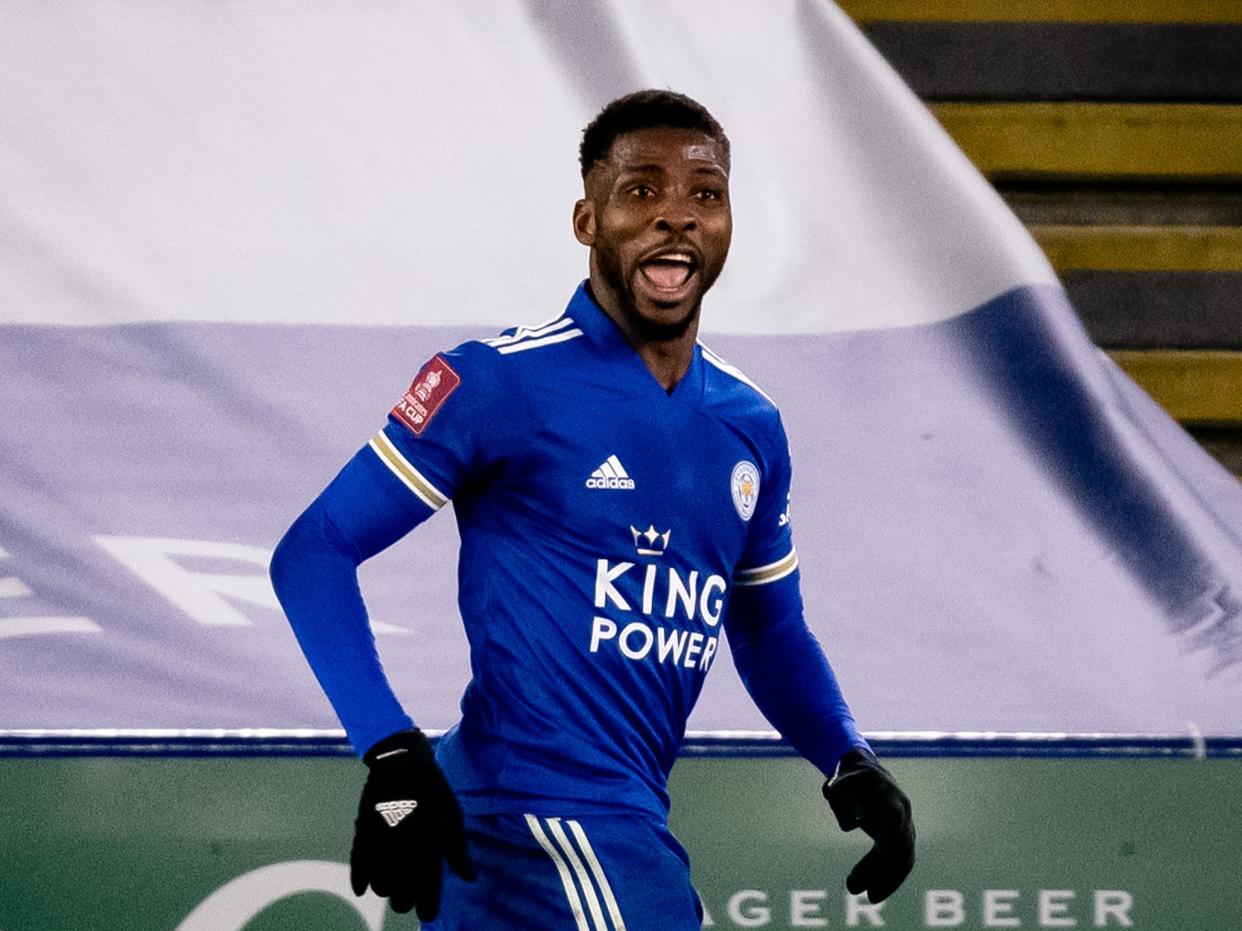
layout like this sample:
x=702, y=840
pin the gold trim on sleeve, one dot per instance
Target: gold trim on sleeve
x=762, y=575
x=409, y=476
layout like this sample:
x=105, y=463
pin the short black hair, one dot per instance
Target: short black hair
x=646, y=109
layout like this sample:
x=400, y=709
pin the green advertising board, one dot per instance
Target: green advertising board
x=226, y=842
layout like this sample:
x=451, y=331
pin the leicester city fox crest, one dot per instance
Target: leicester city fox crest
x=745, y=487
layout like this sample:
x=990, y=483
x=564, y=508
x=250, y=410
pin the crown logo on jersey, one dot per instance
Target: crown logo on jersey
x=650, y=542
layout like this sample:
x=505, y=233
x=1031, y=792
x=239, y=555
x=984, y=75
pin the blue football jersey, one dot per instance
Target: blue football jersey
x=605, y=525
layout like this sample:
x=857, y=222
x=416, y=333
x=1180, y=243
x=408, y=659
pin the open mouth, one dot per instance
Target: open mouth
x=669, y=274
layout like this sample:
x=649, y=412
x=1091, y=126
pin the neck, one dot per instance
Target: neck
x=668, y=358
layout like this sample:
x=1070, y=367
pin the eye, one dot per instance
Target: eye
x=642, y=191
x=710, y=194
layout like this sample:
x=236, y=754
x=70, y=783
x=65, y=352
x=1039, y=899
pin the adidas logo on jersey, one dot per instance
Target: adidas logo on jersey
x=610, y=474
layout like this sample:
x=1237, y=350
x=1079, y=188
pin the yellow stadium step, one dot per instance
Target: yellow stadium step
x=1195, y=387
x=1099, y=140
x=1142, y=248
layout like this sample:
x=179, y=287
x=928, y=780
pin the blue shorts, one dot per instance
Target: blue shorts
x=574, y=873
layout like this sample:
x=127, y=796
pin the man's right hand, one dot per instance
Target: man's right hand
x=409, y=823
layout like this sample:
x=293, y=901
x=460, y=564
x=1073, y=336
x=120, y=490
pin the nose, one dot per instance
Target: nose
x=679, y=221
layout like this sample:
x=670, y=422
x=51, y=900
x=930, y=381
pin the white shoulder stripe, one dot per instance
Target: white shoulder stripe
x=709, y=356
x=541, y=341
x=527, y=332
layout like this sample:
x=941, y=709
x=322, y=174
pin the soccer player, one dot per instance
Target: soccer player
x=622, y=498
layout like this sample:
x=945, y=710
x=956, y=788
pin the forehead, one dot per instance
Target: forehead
x=667, y=148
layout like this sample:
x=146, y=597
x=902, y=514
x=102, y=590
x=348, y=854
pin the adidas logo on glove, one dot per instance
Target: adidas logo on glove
x=394, y=812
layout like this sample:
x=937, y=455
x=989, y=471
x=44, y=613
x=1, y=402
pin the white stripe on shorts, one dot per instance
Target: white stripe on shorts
x=573, y=861
x=588, y=890
x=609, y=899
x=571, y=891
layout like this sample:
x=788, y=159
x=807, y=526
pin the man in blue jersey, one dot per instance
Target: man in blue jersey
x=622, y=498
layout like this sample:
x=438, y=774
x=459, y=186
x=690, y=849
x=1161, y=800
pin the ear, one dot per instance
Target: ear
x=584, y=222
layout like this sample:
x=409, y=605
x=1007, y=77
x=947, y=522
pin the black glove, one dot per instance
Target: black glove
x=862, y=794
x=408, y=822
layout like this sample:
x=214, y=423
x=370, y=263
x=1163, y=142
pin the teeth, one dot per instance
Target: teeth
x=674, y=257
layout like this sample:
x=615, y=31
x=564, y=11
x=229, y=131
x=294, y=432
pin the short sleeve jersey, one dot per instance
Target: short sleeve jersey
x=604, y=523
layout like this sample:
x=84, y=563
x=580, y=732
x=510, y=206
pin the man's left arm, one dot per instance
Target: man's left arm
x=787, y=674
x=791, y=681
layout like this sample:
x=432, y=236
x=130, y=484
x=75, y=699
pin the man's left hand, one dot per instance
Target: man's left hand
x=864, y=795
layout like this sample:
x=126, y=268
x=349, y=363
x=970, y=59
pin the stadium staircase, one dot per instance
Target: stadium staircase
x=1113, y=128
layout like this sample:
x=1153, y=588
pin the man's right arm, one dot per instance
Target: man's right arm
x=409, y=823
x=315, y=574
x=447, y=429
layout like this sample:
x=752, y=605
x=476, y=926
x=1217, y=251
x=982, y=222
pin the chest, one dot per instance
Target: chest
x=662, y=481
